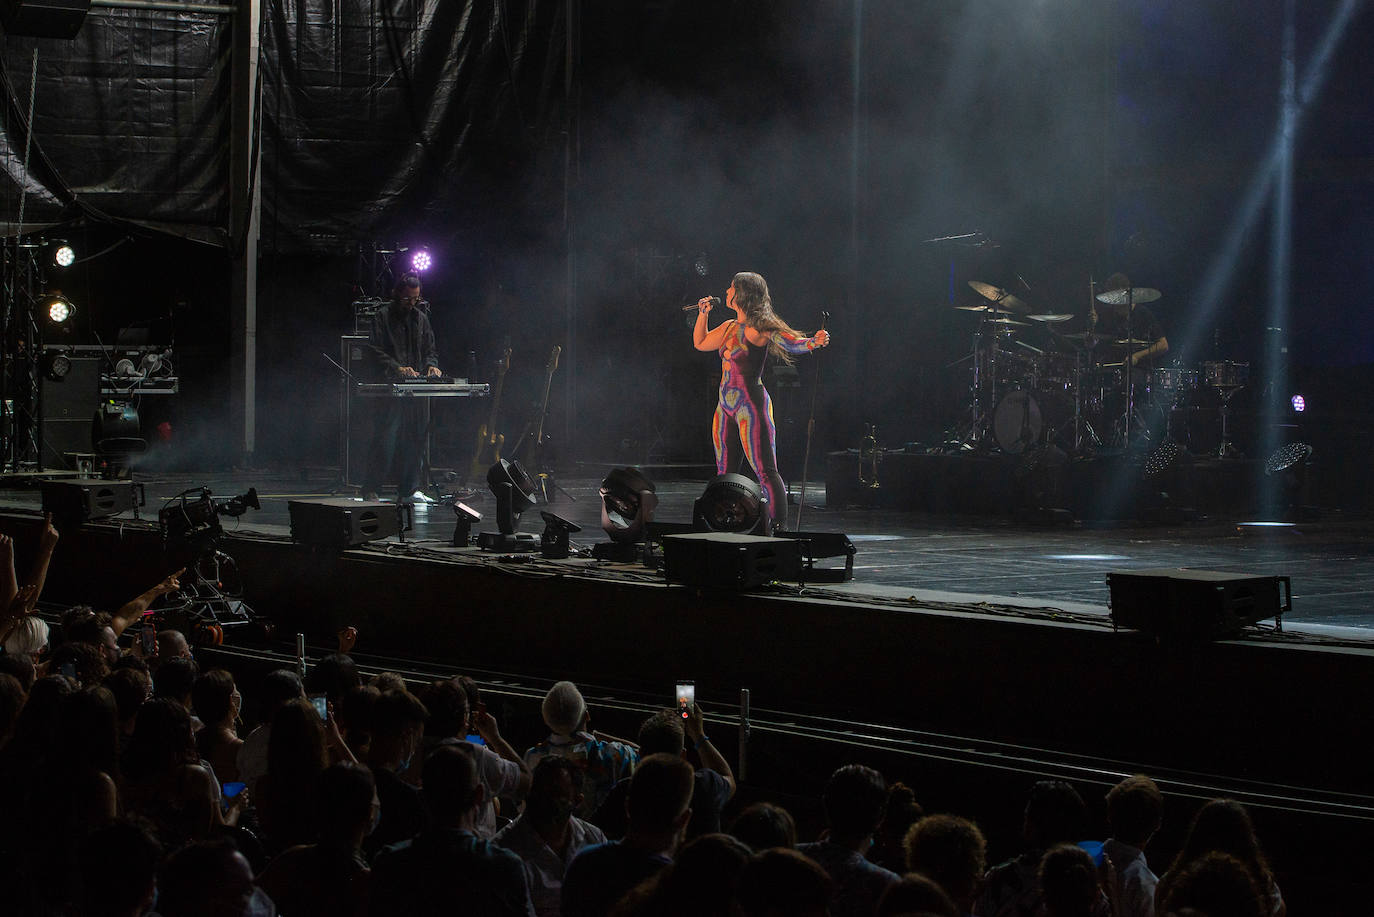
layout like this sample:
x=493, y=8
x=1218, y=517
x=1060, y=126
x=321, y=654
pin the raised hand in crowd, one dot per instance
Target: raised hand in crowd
x=9, y=584
x=334, y=740
x=133, y=610
x=694, y=726
x=487, y=728
x=47, y=544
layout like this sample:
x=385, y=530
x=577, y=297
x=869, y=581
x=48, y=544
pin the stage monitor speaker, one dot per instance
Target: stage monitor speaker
x=82, y=500
x=68, y=409
x=1178, y=604
x=819, y=545
x=341, y=522
x=729, y=561
x=44, y=18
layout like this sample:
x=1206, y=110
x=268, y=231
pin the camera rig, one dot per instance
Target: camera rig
x=211, y=595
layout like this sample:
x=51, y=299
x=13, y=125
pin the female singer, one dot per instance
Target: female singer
x=744, y=343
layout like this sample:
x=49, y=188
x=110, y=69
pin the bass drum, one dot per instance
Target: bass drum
x=1025, y=418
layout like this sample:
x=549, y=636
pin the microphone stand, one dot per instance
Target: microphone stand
x=810, y=429
x=345, y=422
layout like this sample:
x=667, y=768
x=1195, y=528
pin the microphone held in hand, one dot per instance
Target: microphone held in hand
x=715, y=301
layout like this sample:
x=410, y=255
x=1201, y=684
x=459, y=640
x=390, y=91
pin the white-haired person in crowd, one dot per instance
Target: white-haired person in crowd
x=28, y=637
x=603, y=760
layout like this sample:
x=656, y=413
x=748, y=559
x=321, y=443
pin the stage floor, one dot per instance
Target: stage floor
x=1330, y=562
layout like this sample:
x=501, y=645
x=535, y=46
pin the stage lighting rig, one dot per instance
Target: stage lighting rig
x=514, y=492
x=731, y=503
x=466, y=518
x=116, y=435
x=55, y=365
x=554, y=544
x=63, y=255
x=628, y=501
x=421, y=260
x=1287, y=457
x=57, y=308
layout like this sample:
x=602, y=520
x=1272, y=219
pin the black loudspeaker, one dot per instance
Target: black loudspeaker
x=342, y=522
x=728, y=561
x=68, y=408
x=84, y=499
x=1181, y=605
x=44, y=18
x=819, y=545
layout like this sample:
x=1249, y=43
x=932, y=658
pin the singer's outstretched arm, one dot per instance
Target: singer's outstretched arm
x=789, y=341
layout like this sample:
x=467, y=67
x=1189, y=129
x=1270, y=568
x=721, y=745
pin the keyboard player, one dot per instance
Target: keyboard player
x=402, y=344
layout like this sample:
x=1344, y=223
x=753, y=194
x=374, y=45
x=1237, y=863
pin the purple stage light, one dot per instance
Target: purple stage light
x=421, y=261
x=1299, y=403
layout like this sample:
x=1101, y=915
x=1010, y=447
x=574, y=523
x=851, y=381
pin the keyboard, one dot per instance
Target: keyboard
x=435, y=387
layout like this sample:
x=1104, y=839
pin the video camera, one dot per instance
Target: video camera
x=193, y=522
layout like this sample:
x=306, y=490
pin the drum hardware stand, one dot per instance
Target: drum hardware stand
x=978, y=434
x=1080, y=423
x=1129, y=366
x=1133, y=295
x=1227, y=449
x=974, y=433
x=1124, y=425
x=869, y=453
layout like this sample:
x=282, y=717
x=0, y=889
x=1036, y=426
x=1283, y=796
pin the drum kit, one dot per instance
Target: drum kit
x=1078, y=391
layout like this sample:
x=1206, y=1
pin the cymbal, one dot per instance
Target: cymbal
x=997, y=295
x=1008, y=321
x=1051, y=317
x=1125, y=342
x=1136, y=295
x=1078, y=336
x=984, y=308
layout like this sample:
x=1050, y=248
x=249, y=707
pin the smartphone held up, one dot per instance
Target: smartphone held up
x=686, y=697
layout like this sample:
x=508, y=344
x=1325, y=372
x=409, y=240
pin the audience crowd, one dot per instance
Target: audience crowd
x=137, y=790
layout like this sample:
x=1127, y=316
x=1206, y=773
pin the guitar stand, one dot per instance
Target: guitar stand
x=546, y=481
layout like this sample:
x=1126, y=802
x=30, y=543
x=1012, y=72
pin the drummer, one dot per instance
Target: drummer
x=1109, y=323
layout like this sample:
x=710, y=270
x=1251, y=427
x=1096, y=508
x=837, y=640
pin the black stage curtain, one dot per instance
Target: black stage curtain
x=131, y=115
x=376, y=114
x=380, y=117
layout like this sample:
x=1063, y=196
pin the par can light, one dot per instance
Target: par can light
x=58, y=308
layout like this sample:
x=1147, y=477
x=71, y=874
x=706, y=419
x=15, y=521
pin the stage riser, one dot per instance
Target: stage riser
x=1077, y=688
x=1104, y=488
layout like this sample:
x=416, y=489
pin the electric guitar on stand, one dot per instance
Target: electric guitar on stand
x=529, y=452
x=489, y=442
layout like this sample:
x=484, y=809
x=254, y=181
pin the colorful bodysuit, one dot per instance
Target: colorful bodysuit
x=745, y=403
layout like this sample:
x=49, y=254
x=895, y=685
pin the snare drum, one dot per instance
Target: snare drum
x=1225, y=374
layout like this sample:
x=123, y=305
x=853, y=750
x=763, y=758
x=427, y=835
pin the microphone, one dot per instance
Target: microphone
x=715, y=301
